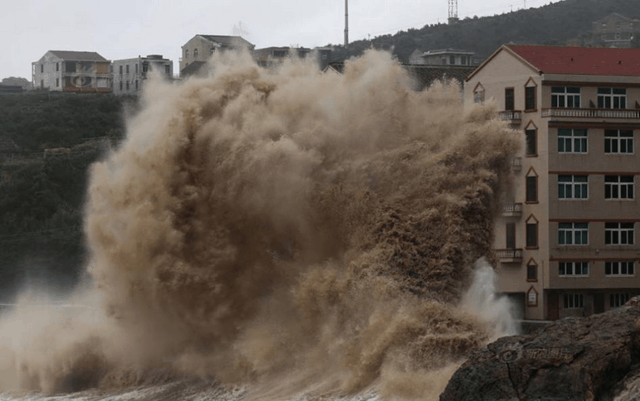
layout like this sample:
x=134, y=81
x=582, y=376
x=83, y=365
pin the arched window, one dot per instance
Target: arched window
x=532, y=270
x=195, y=53
x=186, y=53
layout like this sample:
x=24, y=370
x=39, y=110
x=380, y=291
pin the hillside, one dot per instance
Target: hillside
x=553, y=24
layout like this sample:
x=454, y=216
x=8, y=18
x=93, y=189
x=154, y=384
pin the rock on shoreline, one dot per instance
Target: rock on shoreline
x=594, y=358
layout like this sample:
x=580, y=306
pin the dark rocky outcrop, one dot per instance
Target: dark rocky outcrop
x=571, y=359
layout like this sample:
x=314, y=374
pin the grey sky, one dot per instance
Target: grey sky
x=127, y=28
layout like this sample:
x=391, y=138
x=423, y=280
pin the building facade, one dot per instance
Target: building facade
x=130, y=74
x=615, y=30
x=72, y=71
x=200, y=48
x=566, y=242
x=444, y=57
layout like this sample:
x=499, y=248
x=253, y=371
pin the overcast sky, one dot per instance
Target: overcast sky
x=128, y=28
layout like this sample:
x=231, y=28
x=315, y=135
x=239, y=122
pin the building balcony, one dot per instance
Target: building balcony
x=592, y=113
x=512, y=210
x=509, y=255
x=514, y=117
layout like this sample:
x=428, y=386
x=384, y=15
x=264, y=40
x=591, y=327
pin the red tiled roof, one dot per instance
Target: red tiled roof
x=581, y=60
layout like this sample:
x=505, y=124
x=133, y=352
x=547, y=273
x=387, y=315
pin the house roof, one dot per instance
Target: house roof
x=226, y=40
x=573, y=60
x=78, y=56
x=616, y=15
x=580, y=60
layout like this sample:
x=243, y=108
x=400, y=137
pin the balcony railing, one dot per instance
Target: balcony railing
x=592, y=113
x=512, y=210
x=509, y=255
x=513, y=116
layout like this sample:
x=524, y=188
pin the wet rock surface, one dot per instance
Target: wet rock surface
x=594, y=358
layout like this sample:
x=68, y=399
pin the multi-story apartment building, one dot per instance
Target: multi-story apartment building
x=200, y=48
x=615, y=30
x=71, y=71
x=566, y=242
x=129, y=74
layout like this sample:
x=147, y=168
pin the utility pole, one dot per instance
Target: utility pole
x=346, y=23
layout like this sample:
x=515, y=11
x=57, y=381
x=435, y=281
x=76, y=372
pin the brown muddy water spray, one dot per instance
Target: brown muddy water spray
x=286, y=231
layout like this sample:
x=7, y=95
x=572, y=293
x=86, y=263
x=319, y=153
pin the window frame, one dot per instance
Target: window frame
x=576, y=230
x=619, y=187
x=618, y=267
x=530, y=98
x=573, y=186
x=531, y=234
x=566, y=97
x=532, y=271
x=623, y=236
x=573, y=301
x=531, y=142
x=618, y=139
x=531, y=189
x=509, y=99
x=618, y=299
x=574, y=139
x=608, y=95
x=570, y=269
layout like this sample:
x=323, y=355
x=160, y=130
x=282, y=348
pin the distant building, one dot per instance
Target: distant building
x=273, y=56
x=72, y=71
x=129, y=74
x=566, y=241
x=614, y=30
x=17, y=81
x=423, y=75
x=200, y=48
x=445, y=57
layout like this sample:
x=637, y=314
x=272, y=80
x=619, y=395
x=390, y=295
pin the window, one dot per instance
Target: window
x=463, y=60
x=612, y=98
x=195, y=52
x=565, y=96
x=509, y=99
x=478, y=94
x=120, y=70
x=452, y=60
x=136, y=84
x=531, y=139
x=127, y=85
x=41, y=68
x=572, y=140
x=618, y=141
x=573, y=233
x=120, y=83
x=511, y=235
x=530, y=98
x=573, y=269
x=573, y=187
x=573, y=301
x=57, y=68
x=618, y=233
x=624, y=268
x=617, y=300
x=532, y=271
x=213, y=50
x=167, y=70
x=127, y=68
x=532, y=189
x=618, y=187
x=532, y=234
x=186, y=53
x=57, y=82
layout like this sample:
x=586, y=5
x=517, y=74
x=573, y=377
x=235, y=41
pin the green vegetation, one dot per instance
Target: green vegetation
x=560, y=23
x=42, y=191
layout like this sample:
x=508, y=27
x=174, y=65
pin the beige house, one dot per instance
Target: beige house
x=200, y=48
x=566, y=241
x=129, y=74
x=72, y=71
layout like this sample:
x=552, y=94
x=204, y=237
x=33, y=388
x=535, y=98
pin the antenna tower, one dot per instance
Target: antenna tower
x=453, y=11
x=346, y=23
